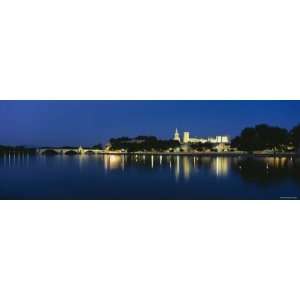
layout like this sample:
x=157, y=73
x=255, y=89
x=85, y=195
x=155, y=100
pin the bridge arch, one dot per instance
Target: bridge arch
x=70, y=151
x=48, y=152
x=79, y=150
x=89, y=152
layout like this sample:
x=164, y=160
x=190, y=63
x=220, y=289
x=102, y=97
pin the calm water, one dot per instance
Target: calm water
x=147, y=177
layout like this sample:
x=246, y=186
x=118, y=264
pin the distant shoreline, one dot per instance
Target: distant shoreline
x=229, y=154
x=203, y=154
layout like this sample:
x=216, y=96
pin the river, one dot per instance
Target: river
x=148, y=177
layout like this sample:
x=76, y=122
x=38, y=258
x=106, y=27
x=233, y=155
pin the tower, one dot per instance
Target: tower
x=176, y=136
x=186, y=137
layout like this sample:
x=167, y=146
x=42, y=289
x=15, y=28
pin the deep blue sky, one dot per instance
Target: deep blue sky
x=90, y=122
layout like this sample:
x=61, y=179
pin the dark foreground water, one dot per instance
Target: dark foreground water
x=147, y=177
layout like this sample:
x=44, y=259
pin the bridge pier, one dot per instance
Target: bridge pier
x=63, y=151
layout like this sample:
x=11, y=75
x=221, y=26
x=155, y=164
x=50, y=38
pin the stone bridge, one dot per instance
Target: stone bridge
x=79, y=150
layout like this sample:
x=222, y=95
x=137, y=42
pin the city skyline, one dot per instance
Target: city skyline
x=51, y=123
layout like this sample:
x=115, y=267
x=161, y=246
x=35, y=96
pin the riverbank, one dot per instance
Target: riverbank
x=207, y=154
x=213, y=154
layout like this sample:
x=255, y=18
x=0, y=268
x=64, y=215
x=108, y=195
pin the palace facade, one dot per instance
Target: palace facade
x=219, y=139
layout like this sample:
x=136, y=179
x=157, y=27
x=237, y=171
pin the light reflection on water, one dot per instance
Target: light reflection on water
x=12, y=160
x=181, y=166
x=220, y=166
x=142, y=176
x=185, y=166
x=112, y=162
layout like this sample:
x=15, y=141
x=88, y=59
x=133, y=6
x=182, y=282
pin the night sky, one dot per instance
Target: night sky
x=58, y=123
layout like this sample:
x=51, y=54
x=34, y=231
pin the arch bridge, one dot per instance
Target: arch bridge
x=79, y=150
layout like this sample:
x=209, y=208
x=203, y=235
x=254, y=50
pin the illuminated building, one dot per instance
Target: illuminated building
x=186, y=137
x=176, y=136
x=214, y=140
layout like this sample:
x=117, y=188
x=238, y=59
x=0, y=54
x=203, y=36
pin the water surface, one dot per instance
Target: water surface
x=147, y=177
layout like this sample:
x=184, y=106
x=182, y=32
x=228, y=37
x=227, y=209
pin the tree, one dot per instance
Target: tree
x=146, y=138
x=197, y=146
x=294, y=136
x=143, y=143
x=279, y=138
x=248, y=140
x=261, y=137
x=235, y=142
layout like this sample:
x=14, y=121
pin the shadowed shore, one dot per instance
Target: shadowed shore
x=225, y=154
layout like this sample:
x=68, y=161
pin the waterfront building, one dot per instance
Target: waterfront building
x=176, y=136
x=219, y=139
x=188, y=139
x=197, y=140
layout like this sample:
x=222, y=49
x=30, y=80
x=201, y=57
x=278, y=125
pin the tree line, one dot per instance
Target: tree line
x=142, y=143
x=263, y=136
x=16, y=149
